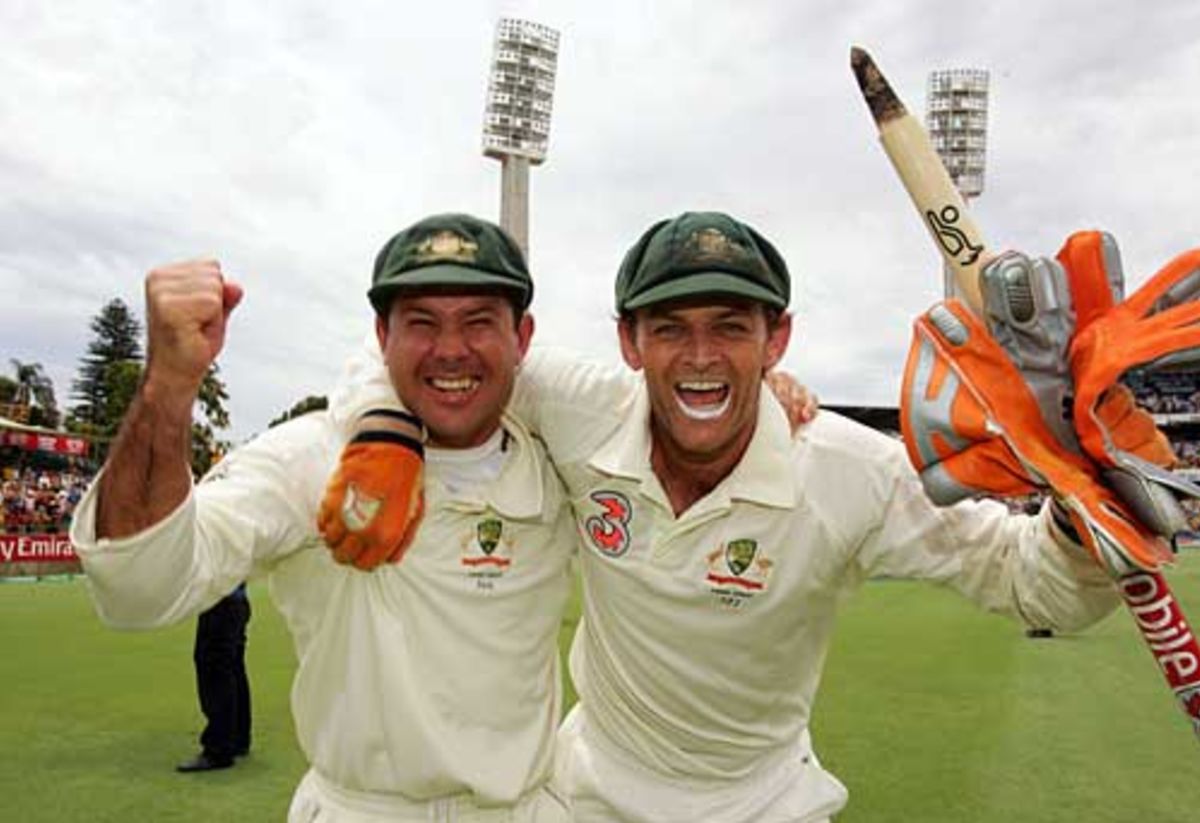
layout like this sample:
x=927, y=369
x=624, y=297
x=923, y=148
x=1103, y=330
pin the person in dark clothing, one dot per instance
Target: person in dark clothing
x=221, y=682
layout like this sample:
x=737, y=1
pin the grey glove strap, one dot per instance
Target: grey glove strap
x=1152, y=493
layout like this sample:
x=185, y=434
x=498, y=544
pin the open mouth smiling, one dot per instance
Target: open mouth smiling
x=454, y=386
x=703, y=399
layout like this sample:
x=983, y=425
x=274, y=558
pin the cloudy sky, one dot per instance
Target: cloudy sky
x=290, y=139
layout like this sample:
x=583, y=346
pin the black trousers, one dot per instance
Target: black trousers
x=220, y=658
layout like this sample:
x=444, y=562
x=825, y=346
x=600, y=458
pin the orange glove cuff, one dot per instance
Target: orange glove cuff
x=374, y=499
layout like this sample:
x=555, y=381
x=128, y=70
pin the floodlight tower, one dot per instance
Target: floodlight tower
x=516, y=121
x=956, y=118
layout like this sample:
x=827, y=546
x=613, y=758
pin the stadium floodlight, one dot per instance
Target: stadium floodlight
x=956, y=118
x=957, y=122
x=516, y=121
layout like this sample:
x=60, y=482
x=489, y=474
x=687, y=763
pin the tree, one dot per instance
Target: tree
x=121, y=380
x=309, y=404
x=34, y=387
x=207, y=448
x=109, y=376
x=117, y=339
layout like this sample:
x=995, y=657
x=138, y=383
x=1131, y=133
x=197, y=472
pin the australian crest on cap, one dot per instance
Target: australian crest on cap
x=711, y=245
x=446, y=245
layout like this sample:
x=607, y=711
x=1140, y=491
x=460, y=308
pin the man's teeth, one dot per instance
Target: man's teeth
x=710, y=411
x=454, y=383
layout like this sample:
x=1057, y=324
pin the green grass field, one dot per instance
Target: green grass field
x=930, y=711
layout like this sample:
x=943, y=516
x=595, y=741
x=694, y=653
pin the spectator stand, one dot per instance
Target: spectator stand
x=43, y=475
x=1172, y=396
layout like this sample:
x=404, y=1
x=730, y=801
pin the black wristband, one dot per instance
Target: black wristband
x=396, y=414
x=395, y=438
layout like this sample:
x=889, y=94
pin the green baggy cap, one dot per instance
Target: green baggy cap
x=450, y=250
x=699, y=254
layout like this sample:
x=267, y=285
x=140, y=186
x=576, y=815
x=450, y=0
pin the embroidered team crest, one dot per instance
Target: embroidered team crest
x=739, y=554
x=358, y=510
x=446, y=245
x=713, y=246
x=737, y=572
x=609, y=530
x=486, y=553
x=487, y=534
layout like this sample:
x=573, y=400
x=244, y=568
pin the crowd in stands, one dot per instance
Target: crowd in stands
x=1174, y=393
x=39, y=500
x=1166, y=392
x=1187, y=449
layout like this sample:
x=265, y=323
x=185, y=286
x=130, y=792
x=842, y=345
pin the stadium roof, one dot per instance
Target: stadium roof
x=882, y=418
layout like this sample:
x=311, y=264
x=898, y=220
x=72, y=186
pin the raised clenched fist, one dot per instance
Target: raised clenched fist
x=187, y=306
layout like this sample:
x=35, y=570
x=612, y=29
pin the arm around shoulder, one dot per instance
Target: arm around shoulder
x=569, y=401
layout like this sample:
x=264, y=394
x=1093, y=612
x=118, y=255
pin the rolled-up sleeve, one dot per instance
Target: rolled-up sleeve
x=1013, y=564
x=255, y=508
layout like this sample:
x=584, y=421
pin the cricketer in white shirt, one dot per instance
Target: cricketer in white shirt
x=432, y=678
x=428, y=689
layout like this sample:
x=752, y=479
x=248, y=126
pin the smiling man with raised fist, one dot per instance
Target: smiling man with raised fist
x=426, y=689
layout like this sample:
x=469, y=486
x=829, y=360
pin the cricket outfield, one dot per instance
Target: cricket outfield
x=930, y=710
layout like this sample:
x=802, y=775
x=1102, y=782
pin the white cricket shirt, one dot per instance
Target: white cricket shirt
x=436, y=676
x=704, y=635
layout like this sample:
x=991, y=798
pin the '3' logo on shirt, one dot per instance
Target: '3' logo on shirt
x=609, y=530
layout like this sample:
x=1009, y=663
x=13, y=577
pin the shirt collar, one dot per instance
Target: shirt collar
x=519, y=491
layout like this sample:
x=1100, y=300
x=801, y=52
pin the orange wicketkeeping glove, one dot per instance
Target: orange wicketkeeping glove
x=1157, y=327
x=1131, y=429
x=375, y=498
x=1021, y=403
x=974, y=425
